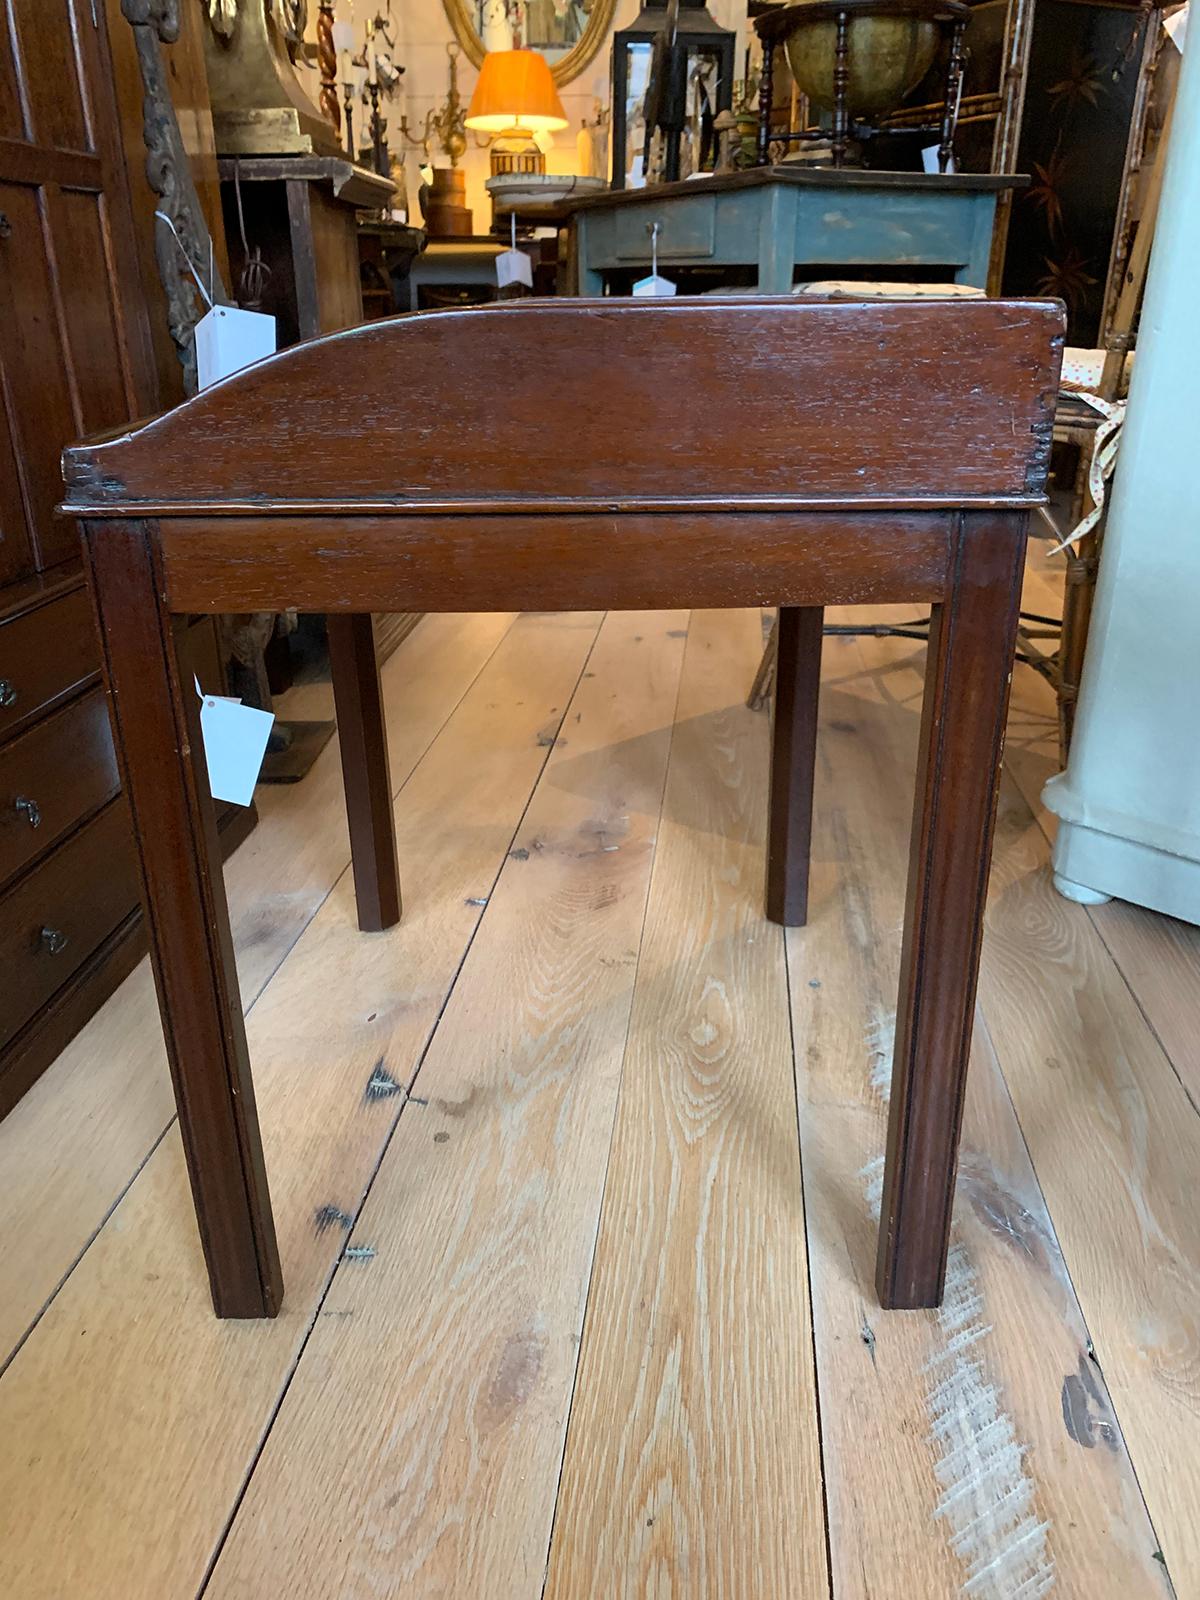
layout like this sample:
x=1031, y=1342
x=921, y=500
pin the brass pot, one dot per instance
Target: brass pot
x=888, y=56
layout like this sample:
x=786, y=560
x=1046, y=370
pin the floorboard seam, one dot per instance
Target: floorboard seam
x=812, y=1320
x=662, y=795
x=103, y=1223
x=223, y=1537
x=1142, y=1012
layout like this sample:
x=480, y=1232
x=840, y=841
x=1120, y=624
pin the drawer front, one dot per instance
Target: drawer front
x=51, y=777
x=609, y=239
x=45, y=654
x=686, y=231
x=60, y=912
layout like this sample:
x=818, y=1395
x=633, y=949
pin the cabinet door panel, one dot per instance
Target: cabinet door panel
x=16, y=556
x=35, y=368
x=95, y=337
x=49, y=40
x=12, y=120
x=73, y=341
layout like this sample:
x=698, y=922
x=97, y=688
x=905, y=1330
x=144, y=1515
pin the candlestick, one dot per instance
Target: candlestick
x=348, y=98
x=327, y=61
x=378, y=128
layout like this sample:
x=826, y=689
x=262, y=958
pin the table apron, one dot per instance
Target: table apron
x=554, y=562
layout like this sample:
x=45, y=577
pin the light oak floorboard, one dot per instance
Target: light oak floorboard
x=130, y=1419
x=131, y=1416
x=78, y=1137
x=1116, y=1144
x=435, y=1387
x=972, y=1450
x=1159, y=958
x=285, y=869
x=692, y=1467
x=1095, y=1012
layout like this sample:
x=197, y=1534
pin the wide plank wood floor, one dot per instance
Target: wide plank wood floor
x=576, y=1174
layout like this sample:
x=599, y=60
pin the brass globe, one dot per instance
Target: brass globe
x=888, y=57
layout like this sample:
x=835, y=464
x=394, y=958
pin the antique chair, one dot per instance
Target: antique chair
x=740, y=452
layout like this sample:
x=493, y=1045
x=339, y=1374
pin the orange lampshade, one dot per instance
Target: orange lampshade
x=515, y=90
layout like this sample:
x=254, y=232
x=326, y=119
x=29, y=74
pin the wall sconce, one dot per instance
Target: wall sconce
x=446, y=122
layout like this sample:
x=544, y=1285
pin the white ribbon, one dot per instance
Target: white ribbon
x=1103, y=462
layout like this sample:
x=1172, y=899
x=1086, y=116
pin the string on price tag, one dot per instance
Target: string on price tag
x=513, y=265
x=654, y=284
x=226, y=337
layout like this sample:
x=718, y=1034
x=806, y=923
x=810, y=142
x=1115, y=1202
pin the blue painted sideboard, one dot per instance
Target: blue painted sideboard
x=777, y=219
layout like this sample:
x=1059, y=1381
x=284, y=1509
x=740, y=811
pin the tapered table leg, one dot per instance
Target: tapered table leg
x=362, y=738
x=156, y=725
x=969, y=668
x=794, y=742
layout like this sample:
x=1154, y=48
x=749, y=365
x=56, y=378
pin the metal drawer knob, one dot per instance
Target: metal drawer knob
x=54, y=941
x=8, y=692
x=29, y=809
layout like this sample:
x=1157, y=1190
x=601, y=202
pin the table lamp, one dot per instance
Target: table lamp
x=515, y=99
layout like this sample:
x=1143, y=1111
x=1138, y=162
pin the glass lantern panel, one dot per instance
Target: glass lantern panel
x=635, y=121
x=698, y=147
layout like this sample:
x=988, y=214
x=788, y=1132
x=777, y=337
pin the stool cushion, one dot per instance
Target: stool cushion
x=879, y=289
x=1082, y=369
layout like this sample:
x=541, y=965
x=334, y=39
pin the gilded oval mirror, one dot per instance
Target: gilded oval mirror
x=567, y=32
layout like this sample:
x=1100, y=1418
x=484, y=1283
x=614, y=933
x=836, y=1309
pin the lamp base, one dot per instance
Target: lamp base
x=515, y=151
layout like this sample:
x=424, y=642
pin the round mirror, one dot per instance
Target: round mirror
x=567, y=32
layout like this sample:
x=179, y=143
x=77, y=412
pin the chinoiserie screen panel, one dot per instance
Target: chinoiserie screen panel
x=1084, y=109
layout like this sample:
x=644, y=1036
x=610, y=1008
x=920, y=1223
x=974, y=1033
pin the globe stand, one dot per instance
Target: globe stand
x=781, y=23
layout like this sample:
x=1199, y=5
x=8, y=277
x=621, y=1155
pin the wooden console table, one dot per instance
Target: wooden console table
x=770, y=221
x=268, y=490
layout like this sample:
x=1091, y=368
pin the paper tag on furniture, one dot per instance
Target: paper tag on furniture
x=655, y=284
x=514, y=266
x=235, y=741
x=930, y=158
x=228, y=338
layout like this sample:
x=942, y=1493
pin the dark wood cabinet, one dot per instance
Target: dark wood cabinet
x=41, y=808
x=75, y=357
x=74, y=341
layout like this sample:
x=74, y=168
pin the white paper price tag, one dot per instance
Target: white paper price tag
x=929, y=159
x=654, y=284
x=235, y=742
x=514, y=266
x=228, y=338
